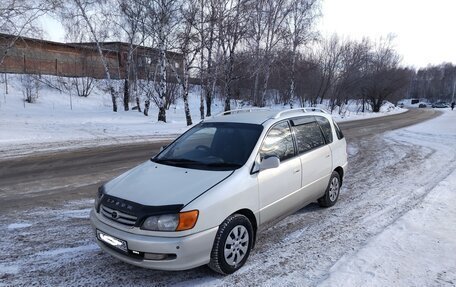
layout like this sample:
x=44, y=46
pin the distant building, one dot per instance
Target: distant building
x=33, y=56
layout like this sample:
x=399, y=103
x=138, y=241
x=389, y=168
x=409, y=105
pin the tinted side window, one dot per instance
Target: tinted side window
x=308, y=136
x=326, y=128
x=278, y=142
x=339, y=133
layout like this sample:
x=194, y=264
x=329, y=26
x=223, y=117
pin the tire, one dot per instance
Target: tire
x=332, y=191
x=232, y=244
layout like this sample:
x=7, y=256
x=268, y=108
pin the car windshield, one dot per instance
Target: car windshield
x=212, y=146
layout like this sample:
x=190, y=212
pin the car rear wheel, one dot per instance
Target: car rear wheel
x=332, y=191
x=232, y=244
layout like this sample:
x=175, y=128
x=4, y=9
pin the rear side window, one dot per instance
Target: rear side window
x=308, y=136
x=339, y=133
x=278, y=142
x=326, y=128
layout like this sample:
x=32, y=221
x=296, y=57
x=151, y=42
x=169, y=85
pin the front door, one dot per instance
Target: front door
x=278, y=185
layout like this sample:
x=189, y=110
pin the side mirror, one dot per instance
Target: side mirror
x=270, y=162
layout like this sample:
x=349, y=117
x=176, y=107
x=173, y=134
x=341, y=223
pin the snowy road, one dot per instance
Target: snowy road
x=54, y=177
x=392, y=188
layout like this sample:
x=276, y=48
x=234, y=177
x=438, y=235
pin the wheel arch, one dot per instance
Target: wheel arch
x=340, y=171
x=252, y=218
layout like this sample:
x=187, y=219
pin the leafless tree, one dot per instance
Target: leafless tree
x=187, y=44
x=256, y=34
x=160, y=26
x=18, y=18
x=329, y=59
x=267, y=32
x=131, y=22
x=209, y=52
x=31, y=88
x=384, y=79
x=275, y=30
x=231, y=28
x=89, y=14
x=83, y=85
x=351, y=72
x=434, y=83
x=300, y=22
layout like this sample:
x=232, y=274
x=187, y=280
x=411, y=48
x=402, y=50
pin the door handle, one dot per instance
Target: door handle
x=296, y=171
x=328, y=156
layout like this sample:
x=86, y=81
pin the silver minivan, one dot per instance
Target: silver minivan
x=202, y=199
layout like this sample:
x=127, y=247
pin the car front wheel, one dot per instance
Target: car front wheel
x=232, y=244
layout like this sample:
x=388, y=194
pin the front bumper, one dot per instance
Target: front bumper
x=191, y=251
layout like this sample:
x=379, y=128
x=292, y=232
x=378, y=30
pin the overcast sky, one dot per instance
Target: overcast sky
x=425, y=30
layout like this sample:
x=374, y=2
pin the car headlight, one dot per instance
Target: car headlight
x=99, y=197
x=171, y=222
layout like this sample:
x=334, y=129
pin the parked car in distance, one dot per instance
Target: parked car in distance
x=440, y=105
x=204, y=197
x=421, y=105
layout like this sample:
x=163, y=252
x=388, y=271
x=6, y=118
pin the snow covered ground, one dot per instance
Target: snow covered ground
x=60, y=121
x=394, y=225
x=419, y=248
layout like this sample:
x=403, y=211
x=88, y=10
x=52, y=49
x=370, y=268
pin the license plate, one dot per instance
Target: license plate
x=112, y=241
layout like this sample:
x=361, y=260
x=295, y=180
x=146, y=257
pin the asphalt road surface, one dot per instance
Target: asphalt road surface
x=51, y=178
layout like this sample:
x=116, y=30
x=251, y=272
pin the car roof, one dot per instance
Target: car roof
x=260, y=116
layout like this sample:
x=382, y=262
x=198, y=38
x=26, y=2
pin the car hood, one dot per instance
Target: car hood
x=156, y=184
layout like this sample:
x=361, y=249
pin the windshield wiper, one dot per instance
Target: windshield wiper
x=176, y=161
x=183, y=162
x=224, y=164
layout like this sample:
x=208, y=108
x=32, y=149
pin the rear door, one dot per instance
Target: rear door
x=278, y=186
x=315, y=156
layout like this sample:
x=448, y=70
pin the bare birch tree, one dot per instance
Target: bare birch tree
x=276, y=14
x=187, y=37
x=266, y=33
x=231, y=28
x=209, y=51
x=256, y=34
x=300, y=21
x=131, y=23
x=85, y=12
x=161, y=26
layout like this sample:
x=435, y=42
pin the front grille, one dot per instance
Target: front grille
x=118, y=216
